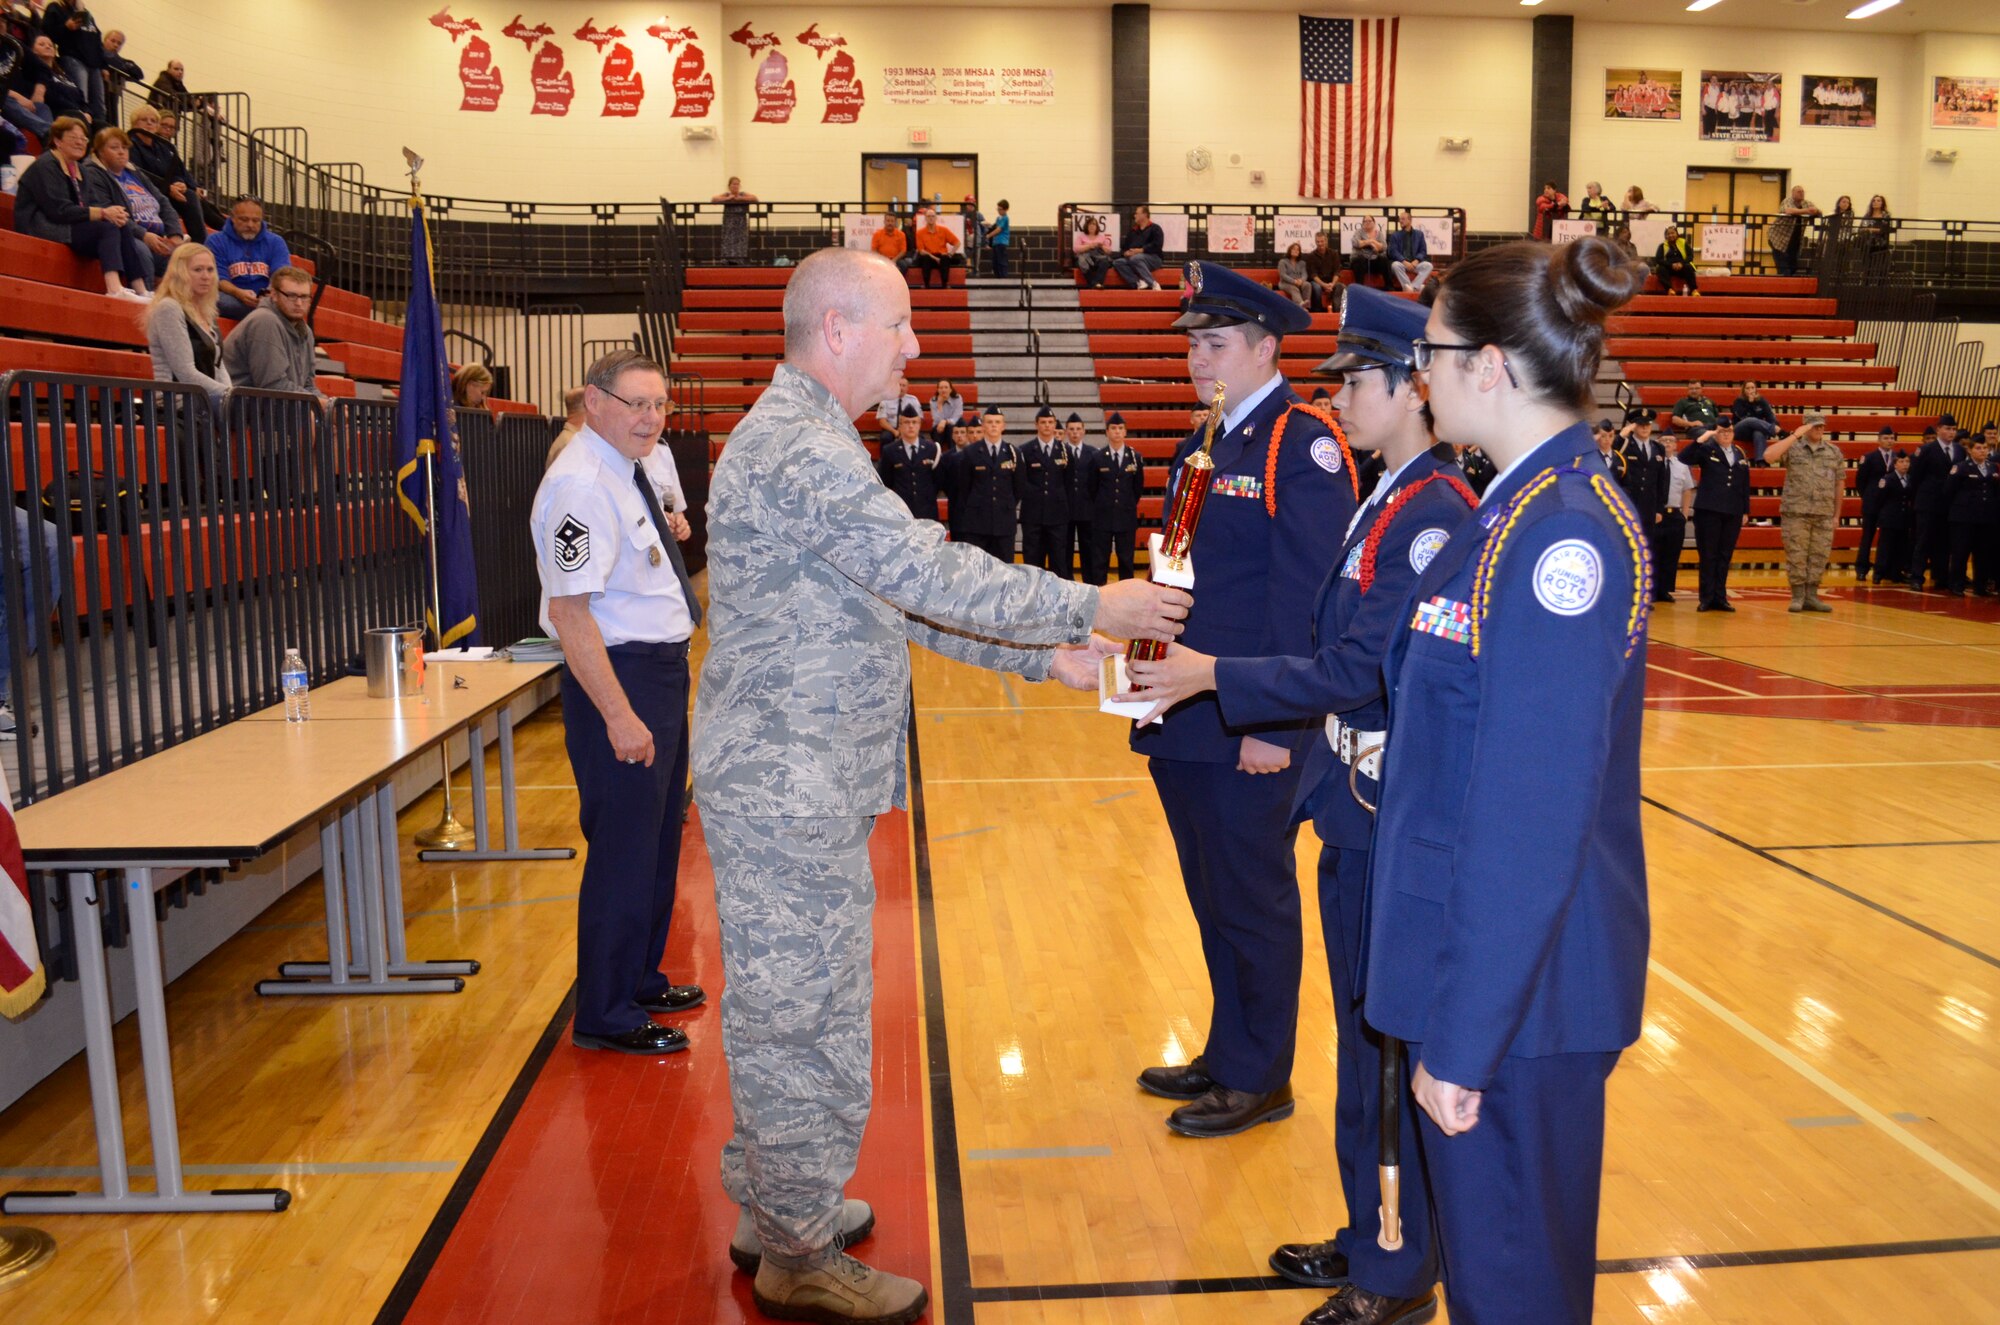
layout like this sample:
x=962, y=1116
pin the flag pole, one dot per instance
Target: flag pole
x=448, y=834
x=23, y=1251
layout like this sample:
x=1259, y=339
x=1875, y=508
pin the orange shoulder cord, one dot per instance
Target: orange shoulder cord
x=1278, y=435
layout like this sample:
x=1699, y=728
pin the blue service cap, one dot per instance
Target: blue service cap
x=909, y=412
x=1376, y=329
x=991, y=412
x=1074, y=417
x=1947, y=421
x=1045, y=413
x=1114, y=417
x=1215, y=296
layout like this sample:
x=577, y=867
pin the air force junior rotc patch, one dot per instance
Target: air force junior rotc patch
x=572, y=544
x=1568, y=577
x=1326, y=454
x=1425, y=546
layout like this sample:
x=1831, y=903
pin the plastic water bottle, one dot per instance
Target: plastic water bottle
x=293, y=678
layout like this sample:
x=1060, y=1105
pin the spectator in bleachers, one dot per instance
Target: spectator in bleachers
x=1896, y=514
x=735, y=221
x=573, y=421
x=1751, y=408
x=1409, y=253
x=891, y=408
x=54, y=204
x=1673, y=263
x=117, y=72
x=1877, y=224
x=109, y=177
x=1621, y=240
x=1323, y=265
x=154, y=154
x=1596, y=207
x=1198, y=418
x=1371, y=254
x=1636, y=204
x=1694, y=410
x=181, y=326
x=1789, y=231
x=246, y=253
x=1145, y=251
x=1975, y=522
x=974, y=222
x=471, y=384
x=1868, y=476
x=41, y=92
x=999, y=238
x=947, y=411
x=272, y=348
x=1721, y=500
x=892, y=243
x=69, y=25
x=1092, y=248
x=36, y=607
x=1815, y=478
x=1670, y=534
x=937, y=250
x=1550, y=206
x=13, y=143
x=1294, y=281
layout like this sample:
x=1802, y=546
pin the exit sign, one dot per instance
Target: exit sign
x=920, y=137
x=1746, y=151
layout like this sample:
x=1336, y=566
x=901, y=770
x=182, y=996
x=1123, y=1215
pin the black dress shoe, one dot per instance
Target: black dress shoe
x=1225, y=1112
x=1314, y=1264
x=1177, y=1083
x=1725, y=607
x=1704, y=607
x=645, y=1040
x=1357, y=1306
x=677, y=998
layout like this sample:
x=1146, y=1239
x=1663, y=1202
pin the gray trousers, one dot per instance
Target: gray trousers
x=796, y=901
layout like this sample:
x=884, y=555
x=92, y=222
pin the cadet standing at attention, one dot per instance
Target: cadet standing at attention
x=819, y=581
x=1117, y=476
x=1281, y=493
x=616, y=593
x=1077, y=553
x=1507, y=907
x=909, y=465
x=1417, y=507
x=1045, y=493
x=986, y=487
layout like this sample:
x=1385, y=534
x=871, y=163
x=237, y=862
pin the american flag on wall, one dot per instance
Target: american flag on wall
x=21, y=978
x=1347, y=107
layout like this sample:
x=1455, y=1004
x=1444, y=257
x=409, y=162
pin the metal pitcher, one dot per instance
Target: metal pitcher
x=395, y=658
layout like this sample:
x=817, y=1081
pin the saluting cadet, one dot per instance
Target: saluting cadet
x=1116, y=478
x=615, y=592
x=821, y=581
x=909, y=465
x=986, y=488
x=1045, y=492
x=1507, y=908
x=1721, y=500
x=1419, y=505
x=1077, y=553
x=1280, y=496
x=1644, y=474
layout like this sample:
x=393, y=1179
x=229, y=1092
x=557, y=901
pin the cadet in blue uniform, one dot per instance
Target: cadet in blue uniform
x=1419, y=504
x=1507, y=906
x=1974, y=514
x=1116, y=477
x=909, y=464
x=1721, y=500
x=615, y=592
x=1280, y=496
x=1077, y=553
x=1045, y=490
x=985, y=489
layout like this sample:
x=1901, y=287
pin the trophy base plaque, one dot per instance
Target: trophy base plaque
x=1114, y=686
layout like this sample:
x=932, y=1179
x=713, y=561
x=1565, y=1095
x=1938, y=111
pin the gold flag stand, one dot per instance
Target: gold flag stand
x=23, y=1252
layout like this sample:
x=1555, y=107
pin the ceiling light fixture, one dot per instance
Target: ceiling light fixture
x=1700, y=5
x=1531, y=3
x=1872, y=8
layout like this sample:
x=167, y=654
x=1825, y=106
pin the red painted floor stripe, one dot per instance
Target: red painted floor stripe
x=604, y=1202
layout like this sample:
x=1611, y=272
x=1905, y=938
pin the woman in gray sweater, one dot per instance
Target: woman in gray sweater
x=1292, y=277
x=181, y=325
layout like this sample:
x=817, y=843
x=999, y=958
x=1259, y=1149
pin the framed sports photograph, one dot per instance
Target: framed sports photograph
x=1740, y=107
x=1836, y=101
x=1964, y=103
x=1642, y=94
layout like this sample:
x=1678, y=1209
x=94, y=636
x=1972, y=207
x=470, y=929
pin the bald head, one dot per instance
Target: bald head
x=847, y=324
x=833, y=280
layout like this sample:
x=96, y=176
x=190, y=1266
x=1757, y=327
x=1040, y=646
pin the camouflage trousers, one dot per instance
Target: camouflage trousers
x=796, y=901
x=1808, y=544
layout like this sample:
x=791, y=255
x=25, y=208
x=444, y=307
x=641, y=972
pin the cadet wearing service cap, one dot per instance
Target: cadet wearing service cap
x=1045, y=494
x=1417, y=508
x=909, y=465
x=1116, y=477
x=984, y=488
x=1281, y=493
x=1077, y=553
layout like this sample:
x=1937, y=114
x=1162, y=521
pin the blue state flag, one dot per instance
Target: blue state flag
x=424, y=429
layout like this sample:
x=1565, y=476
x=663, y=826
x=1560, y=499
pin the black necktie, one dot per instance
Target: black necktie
x=667, y=536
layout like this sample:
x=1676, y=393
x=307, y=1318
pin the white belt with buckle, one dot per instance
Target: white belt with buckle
x=1350, y=743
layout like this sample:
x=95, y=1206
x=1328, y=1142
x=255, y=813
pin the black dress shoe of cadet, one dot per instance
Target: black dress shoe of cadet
x=1177, y=1083
x=1357, y=1306
x=1225, y=1112
x=1314, y=1264
x=648, y=1039
x=677, y=998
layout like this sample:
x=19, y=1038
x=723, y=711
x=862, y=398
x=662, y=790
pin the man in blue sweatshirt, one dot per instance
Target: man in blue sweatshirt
x=246, y=253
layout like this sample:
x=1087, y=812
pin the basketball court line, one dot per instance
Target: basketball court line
x=1872, y=846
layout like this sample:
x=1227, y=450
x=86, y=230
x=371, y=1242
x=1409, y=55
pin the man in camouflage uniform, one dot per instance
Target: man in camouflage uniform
x=818, y=578
x=1815, y=477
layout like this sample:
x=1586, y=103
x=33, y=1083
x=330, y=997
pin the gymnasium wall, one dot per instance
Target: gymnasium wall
x=367, y=76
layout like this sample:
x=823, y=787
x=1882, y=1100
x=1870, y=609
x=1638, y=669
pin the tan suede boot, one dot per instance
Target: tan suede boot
x=857, y=1221
x=837, y=1291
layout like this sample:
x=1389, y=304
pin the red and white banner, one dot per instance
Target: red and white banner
x=844, y=93
x=479, y=76
x=694, y=86
x=554, y=88
x=776, y=93
x=21, y=977
x=624, y=85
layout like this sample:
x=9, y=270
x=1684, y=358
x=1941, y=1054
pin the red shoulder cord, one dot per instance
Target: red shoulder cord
x=1373, y=543
x=1278, y=434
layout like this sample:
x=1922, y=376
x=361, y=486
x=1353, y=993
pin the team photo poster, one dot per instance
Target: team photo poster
x=1642, y=94
x=1739, y=107
x=1831, y=101
x=1964, y=103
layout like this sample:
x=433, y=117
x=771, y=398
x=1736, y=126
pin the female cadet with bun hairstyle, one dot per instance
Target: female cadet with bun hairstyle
x=1508, y=936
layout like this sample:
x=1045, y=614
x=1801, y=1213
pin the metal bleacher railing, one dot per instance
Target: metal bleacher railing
x=169, y=555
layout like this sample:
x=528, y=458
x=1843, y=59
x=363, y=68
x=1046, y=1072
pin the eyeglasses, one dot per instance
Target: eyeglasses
x=660, y=407
x=293, y=294
x=1424, y=352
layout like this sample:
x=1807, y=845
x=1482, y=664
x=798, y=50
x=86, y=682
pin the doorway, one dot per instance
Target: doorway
x=902, y=179
x=1719, y=193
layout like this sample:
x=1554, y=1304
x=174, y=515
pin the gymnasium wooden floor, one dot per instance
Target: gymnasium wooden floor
x=1805, y=1132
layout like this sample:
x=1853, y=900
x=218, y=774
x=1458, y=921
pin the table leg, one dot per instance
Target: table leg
x=509, y=811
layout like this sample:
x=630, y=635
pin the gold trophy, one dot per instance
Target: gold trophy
x=1170, y=562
